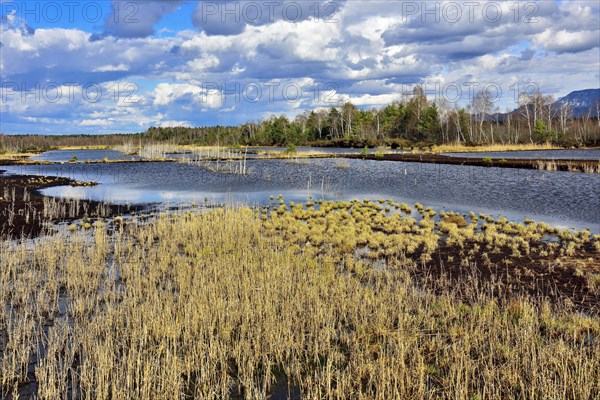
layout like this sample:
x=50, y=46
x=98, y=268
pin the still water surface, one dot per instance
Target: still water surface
x=82, y=155
x=563, y=199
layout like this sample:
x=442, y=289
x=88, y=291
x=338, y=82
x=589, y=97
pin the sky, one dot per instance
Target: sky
x=120, y=66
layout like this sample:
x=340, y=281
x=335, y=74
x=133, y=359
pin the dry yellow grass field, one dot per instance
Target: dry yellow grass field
x=243, y=303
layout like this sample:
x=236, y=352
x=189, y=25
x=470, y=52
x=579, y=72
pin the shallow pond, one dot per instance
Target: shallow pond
x=82, y=155
x=563, y=199
x=584, y=154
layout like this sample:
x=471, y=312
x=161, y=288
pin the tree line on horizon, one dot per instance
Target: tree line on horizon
x=413, y=122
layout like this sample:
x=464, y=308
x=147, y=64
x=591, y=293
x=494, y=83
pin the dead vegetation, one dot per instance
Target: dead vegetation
x=315, y=300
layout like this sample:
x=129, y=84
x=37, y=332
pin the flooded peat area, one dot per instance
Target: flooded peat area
x=188, y=299
x=563, y=199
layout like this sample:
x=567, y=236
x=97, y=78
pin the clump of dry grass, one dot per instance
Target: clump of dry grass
x=235, y=302
x=591, y=168
x=547, y=165
x=342, y=164
x=553, y=165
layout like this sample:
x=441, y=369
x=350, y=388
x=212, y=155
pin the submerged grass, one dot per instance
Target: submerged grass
x=238, y=302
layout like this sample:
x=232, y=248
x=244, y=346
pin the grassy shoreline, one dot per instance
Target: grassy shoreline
x=447, y=148
x=460, y=148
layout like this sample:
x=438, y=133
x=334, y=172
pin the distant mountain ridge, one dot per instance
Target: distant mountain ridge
x=581, y=101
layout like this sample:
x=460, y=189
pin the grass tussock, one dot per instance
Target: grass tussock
x=241, y=302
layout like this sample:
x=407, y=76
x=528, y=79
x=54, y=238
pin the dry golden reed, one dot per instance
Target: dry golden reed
x=235, y=302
